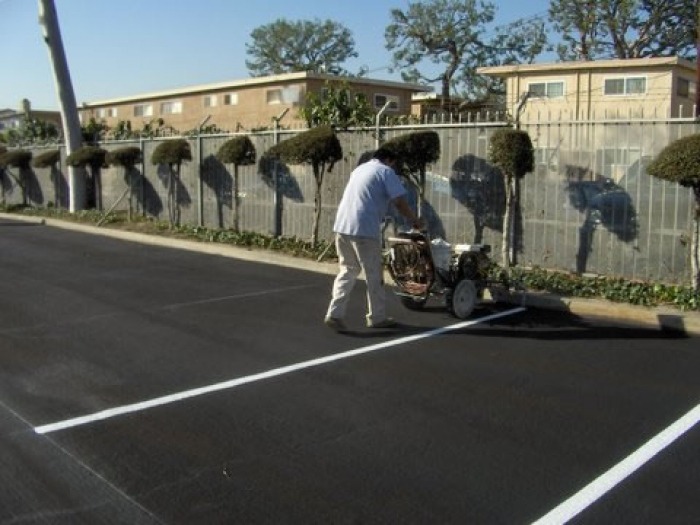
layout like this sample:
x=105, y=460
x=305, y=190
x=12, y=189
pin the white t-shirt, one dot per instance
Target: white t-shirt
x=365, y=202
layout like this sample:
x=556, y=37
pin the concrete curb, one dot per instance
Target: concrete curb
x=664, y=318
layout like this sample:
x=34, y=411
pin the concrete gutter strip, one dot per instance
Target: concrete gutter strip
x=664, y=318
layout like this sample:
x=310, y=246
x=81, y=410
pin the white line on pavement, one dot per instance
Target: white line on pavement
x=597, y=488
x=275, y=372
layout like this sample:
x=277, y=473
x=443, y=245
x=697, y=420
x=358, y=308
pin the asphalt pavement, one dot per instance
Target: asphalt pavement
x=189, y=383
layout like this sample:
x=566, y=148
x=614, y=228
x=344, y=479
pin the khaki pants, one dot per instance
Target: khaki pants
x=356, y=254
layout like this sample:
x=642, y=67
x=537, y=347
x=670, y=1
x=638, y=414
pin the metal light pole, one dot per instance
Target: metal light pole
x=69, y=109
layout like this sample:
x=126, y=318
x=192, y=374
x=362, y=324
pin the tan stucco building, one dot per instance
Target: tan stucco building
x=602, y=89
x=248, y=104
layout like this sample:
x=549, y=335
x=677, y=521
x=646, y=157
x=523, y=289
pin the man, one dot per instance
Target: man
x=371, y=188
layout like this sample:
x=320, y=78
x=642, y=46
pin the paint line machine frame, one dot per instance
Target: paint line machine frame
x=421, y=268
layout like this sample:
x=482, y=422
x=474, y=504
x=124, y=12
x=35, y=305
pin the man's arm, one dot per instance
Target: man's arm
x=405, y=209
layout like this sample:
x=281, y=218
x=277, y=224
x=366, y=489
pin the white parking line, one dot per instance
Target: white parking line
x=597, y=488
x=275, y=372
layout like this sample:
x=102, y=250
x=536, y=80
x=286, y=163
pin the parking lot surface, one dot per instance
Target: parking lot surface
x=145, y=384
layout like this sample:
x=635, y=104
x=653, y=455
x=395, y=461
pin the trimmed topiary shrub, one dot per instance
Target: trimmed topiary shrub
x=415, y=151
x=318, y=147
x=92, y=156
x=238, y=151
x=680, y=162
x=511, y=151
x=173, y=153
x=48, y=159
x=127, y=157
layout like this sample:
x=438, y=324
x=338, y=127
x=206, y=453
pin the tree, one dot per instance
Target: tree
x=318, y=147
x=511, y=151
x=680, y=162
x=307, y=45
x=238, y=151
x=127, y=158
x=337, y=106
x=414, y=152
x=452, y=34
x=624, y=28
x=172, y=153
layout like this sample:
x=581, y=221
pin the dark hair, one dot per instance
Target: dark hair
x=384, y=153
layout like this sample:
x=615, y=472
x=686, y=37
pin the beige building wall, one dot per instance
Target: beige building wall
x=242, y=105
x=603, y=89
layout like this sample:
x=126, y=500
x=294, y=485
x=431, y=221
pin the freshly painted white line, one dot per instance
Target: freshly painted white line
x=597, y=488
x=275, y=372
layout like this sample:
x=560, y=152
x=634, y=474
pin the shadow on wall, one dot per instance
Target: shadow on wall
x=216, y=176
x=60, y=188
x=178, y=196
x=479, y=187
x=148, y=197
x=26, y=181
x=603, y=203
x=287, y=185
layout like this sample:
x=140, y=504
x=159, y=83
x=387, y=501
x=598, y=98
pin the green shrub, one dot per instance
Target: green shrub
x=126, y=157
x=48, y=159
x=18, y=158
x=239, y=151
x=172, y=152
x=511, y=151
x=316, y=146
x=679, y=162
x=92, y=156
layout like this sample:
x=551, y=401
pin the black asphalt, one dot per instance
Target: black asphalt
x=496, y=422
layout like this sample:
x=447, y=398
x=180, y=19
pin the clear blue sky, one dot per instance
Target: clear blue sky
x=126, y=47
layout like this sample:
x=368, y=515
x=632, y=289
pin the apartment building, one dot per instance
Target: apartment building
x=247, y=104
x=662, y=87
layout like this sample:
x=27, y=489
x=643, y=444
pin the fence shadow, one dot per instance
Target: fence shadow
x=287, y=185
x=479, y=187
x=220, y=181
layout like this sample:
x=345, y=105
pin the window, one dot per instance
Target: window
x=685, y=88
x=625, y=86
x=288, y=95
x=143, y=110
x=274, y=96
x=546, y=89
x=106, y=112
x=209, y=101
x=380, y=100
x=171, y=107
x=230, y=99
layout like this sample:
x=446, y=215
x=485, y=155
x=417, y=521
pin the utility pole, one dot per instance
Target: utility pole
x=48, y=20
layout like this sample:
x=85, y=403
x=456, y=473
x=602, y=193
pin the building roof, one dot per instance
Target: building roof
x=504, y=71
x=255, y=81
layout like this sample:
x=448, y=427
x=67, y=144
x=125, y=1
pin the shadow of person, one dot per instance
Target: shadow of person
x=604, y=204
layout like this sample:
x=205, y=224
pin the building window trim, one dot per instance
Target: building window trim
x=551, y=89
x=626, y=88
x=143, y=110
x=171, y=107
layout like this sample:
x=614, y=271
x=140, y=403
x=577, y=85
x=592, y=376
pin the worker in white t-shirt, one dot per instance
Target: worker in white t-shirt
x=372, y=187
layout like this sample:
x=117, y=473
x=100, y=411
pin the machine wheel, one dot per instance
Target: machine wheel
x=413, y=303
x=462, y=299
